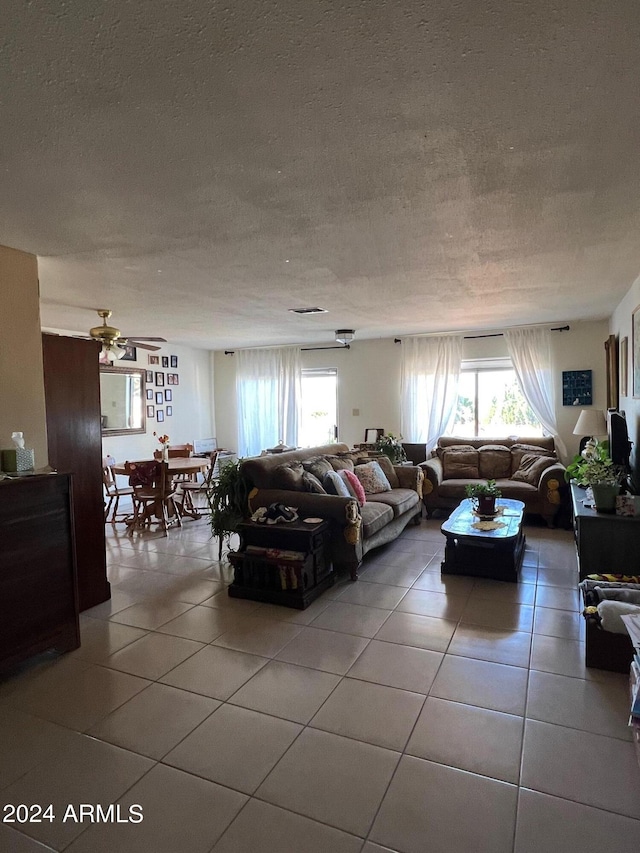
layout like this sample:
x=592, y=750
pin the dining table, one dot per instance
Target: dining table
x=177, y=465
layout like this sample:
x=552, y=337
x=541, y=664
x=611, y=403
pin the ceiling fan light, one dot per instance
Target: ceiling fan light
x=344, y=336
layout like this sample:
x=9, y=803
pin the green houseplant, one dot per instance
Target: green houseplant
x=594, y=467
x=483, y=496
x=228, y=499
x=391, y=446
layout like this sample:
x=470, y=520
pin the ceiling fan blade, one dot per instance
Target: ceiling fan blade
x=143, y=338
x=132, y=343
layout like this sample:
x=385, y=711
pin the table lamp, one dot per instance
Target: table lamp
x=590, y=424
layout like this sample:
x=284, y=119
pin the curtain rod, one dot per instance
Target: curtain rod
x=491, y=334
x=302, y=349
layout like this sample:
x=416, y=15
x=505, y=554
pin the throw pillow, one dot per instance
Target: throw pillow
x=531, y=467
x=495, y=461
x=372, y=478
x=288, y=477
x=338, y=463
x=353, y=483
x=518, y=451
x=460, y=464
x=389, y=471
x=317, y=465
x=335, y=485
x=445, y=444
x=313, y=484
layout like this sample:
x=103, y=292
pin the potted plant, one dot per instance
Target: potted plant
x=483, y=496
x=391, y=446
x=228, y=498
x=594, y=467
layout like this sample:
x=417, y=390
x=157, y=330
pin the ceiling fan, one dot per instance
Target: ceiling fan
x=114, y=343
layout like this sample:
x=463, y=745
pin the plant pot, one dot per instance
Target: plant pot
x=486, y=504
x=604, y=496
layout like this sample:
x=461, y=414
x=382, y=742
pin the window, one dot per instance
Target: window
x=490, y=402
x=319, y=416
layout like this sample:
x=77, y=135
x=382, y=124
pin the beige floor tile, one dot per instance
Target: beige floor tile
x=424, y=801
x=235, y=747
x=155, y=720
x=470, y=738
x=291, y=614
x=555, y=597
x=548, y=824
x=77, y=700
x=405, y=667
x=13, y=841
x=507, y=615
x=100, y=638
x=258, y=635
x=224, y=601
x=269, y=829
x=215, y=672
x=425, y=632
x=287, y=691
x=355, y=619
x=563, y=578
x=325, y=650
x=153, y=655
x=414, y=556
x=150, y=616
x=561, y=761
x=499, y=646
x=555, y=654
x=369, y=712
x=304, y=780
x=490, y=590
x=392, y=575
x=601, y=707
x=433, y=580
x=370, y=847
x=430, y=603
x=196, y=590
x=495, y=686
x=118, y=574
x=558, y=623
x=181, y=813
x=203, y=624
x=119, y=601
x=88, y=771
x=372, y=594
x=26, y=741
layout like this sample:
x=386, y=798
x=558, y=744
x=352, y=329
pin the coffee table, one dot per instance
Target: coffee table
x=495, y=554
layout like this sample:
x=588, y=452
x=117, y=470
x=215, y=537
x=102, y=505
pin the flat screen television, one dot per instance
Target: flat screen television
x=619, y=444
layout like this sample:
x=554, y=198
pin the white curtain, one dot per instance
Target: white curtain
x=268, y=389
x=530, y=351
x=430, y=373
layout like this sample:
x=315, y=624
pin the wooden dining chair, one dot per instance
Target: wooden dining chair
x=191, y=490
x=112, y=494
x=154, y=495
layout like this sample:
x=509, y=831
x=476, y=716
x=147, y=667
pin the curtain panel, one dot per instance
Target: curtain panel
x=430, y=373
x=268, y=384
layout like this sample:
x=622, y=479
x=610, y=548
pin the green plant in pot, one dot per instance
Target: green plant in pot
x=391, y=446
x=594, y=467
x=483, y=496
x=228, y=499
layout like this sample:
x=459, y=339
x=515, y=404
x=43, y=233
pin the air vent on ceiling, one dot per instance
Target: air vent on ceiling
x=308, y=310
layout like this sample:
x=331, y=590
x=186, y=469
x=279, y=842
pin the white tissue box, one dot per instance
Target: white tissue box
x=18, y=459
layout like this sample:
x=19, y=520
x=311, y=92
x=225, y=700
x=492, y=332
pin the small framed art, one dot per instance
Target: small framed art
x=372, y=435
x=624, y=366
x=154, y=359
x=160, y=415
x=150, y=411
x=159, y=398
x=576, y=387
x=149, y=376
x=130, y=353
x=169, y=378
x=635, y=352
x=176, y=379
x=165, y=361
x=169, y=410
x=168, y=395
x=160, y=378
x=150, y=394
x=174, y=361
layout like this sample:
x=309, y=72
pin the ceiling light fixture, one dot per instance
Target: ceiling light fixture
x=307, y=310
x=344, y=336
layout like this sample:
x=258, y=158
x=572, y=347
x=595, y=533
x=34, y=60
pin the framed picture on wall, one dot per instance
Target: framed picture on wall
x=130, y=353
x=174, y=361
x=168, y=395
x=372, y=435
x=169, y=378
x=165, y=361
x=611, y=350
x=159, y=398
x=149, y=376
x=159, y=415
x=624, y=366
x=154, y=359
x=160, y=378
x=150, y=411
x=635, y=352
x=150, y=394
x=169, y=411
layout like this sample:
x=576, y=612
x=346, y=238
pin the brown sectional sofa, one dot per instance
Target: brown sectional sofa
x=354, y=530
x=451, y=468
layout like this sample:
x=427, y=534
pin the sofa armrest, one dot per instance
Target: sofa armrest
x=433, y=471
x=550, y=491
x=409, y=477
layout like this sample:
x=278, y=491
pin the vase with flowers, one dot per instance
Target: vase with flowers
x=163, y=453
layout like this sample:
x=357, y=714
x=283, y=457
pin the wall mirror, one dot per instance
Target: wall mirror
x=122, y=400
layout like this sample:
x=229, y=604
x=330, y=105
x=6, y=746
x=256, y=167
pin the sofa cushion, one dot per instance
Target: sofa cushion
x=339, y=463
x=531, y=467
x=317, y=465
x=458, y=463
x=389, y=471
x=495, y=461
x=375, y=516
x=335, y=485
x=372, y=478
x=313, y=484
x=354, y=485
x=289, y=477
x=400, y=500
x=446, y=443
x=518, y=451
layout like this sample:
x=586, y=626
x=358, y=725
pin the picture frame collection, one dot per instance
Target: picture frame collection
x=156, y=378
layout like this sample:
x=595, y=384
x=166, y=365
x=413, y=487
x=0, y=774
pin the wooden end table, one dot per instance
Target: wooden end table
x=495, y=554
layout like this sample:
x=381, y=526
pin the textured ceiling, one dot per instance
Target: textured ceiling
x=200, y=167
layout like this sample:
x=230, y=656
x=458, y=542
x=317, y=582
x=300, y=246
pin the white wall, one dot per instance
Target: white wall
x=369, y=380
x=21, y=374
x=192, y=404
x=620, y=326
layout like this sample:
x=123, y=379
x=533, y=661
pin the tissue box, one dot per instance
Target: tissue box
x=628, y=505
x=17, y=459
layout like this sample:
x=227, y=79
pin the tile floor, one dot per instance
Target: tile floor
x=406, y=712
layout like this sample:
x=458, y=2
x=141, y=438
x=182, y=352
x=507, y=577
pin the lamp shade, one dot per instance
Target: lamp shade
x=591, y=422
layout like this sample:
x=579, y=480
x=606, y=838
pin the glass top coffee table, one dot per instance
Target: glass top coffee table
x=495, y=553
